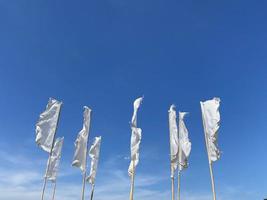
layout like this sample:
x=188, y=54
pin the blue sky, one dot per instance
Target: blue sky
x=106, y=53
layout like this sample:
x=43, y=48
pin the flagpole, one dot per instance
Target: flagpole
x=132, y=182
x=210, y=163
x=172, y=179
x=83, y=185
x=179, y=184
x=54, y=190
x=50, y=154
x=92, y=192
x=179, y=161
x=84, y=173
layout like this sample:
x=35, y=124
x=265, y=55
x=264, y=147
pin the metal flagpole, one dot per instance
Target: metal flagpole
x=172, y=179
x=172, y=173
x=179, y=161
x=179, y=184
x=83, y=186
x=210, y=163
x=92, y=192
x=50, y=154
x=84, y=173
x=54, y=190
x=132, y=182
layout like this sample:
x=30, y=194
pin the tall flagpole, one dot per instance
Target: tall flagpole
x=172, y=179
x=54, y=190
x=92, y=192
x=83, y=186
x=210, y=163
x=179, y=161
x=50, y=154
x=132, y=182
x=172, y=173
x=84, y=173
x=179, y=184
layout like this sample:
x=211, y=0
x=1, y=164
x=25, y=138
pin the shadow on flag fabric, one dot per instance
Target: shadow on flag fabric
x=47, y=125
x=94, y=155
x=135, y=137
x=211, y=121
x=52, y=169
x=79, y=159
x=174, y=143
x=184, y=142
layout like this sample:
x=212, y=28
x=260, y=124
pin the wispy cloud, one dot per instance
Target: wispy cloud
x=24, y=182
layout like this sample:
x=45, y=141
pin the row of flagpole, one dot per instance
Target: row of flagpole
x=180, y=145
x=46, y=129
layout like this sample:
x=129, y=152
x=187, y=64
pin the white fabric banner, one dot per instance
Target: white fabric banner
x=94, y=155
x=47, y=125
x=52, y=168
x=174, y=143
x=211, y=121
x=184, y=142
x=79, y=159
x=135, y=137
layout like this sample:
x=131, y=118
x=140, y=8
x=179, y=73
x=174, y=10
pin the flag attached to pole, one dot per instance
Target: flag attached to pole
x=211, y=121
x=53, y=165
x=47, y=125
x=94, y=155
x=184, y=142
x=79, y=159
x=174, y=143
x=135, y=137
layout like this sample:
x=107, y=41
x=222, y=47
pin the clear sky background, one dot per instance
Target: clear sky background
x=106, y=53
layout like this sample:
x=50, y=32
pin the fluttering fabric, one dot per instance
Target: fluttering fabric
x=174, y=142
x=53, y=165
x=47, y=125
x=135, y=137
x=94, y=155
x=184, y=143
x=79, y=159
x=211, y=121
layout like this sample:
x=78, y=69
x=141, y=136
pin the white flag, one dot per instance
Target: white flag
x=47, y=125
x=79, y=159
x=94, y=155
x=136, y=106
x=185, y=144
x=135, y=137
x=211, y=121
x=174, y=143
x=53, y=166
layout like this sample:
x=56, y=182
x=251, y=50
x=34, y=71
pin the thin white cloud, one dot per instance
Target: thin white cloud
x=22, y=182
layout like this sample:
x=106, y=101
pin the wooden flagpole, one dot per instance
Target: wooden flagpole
x=132, y=182
x=50, y=154
x=54, y=190
x=92, y=192
x=210, y=163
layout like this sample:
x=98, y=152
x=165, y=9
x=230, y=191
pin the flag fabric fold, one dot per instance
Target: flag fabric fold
x=184, y=142
x=47, y=125
x=53, y=164
x=211, y=121
x=94, y=155
x=135, y=137
x=174, y=142
x=79, y=159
